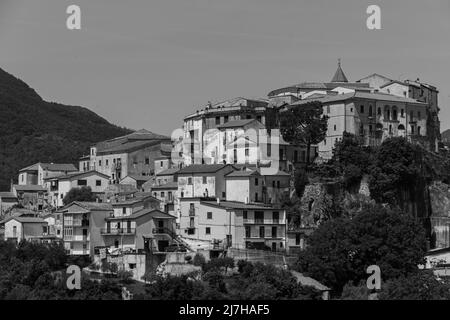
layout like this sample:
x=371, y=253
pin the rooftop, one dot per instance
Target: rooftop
x=90, y=205
x=168, y=172
x=78, y=175
x=339, y=75
x=29, y=187
x=238, y=123
x=168, y=185
x=236, y=205
x=51, y=167
x=202, y=168
x=28, y=219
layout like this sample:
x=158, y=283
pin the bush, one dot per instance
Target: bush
x=125, y=276
x=199, y=260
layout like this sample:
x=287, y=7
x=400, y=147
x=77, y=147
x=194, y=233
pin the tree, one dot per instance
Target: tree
x=419, y=285
x=398, y=166
x=79, y=194
x=305, y=124
x=341, y=249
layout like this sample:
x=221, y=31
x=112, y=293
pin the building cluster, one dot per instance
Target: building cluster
x=221, y=183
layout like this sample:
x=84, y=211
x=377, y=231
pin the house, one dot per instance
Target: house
x=167, y=194
x=251, y=184
x=7, y=200
x=36, y=173
x=129, y=155
x=82, y=224
x=200, y=180
x=31, y=196
x=55, y=223
x=59, y=186
x=165, y=176
x=198, y=126
x=372, y=117
x=136, y=181
x=21, y=228
x=236, y=224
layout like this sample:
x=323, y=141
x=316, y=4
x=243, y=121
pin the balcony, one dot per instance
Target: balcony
x=263, y=221
x=165, y=231
x=118, y=231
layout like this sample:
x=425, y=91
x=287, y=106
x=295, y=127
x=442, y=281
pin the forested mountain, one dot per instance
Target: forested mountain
x=33, y=130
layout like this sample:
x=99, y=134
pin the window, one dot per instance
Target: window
x=247, y=153
x=82, y=182
x=370, y=111
x=223, y=194
x=402, y=113
x=244, y=214
x=84, y=232
x=14, y=231
x=328, y=108
x=390, y=128
x=208, y=230
x=256, y=196
x=297, y=239
x=162, y=194
x=412, y=129
x=116, y=243
x=411, y=115
x=258, y=118
x=217, y=120
x=124, y=210
x=256, y=181
x=261, y=232
x=278, y=184
x=132, y=266
x=418, y=114
x=147, y=160
x=418, y=130
x=273, y=184
x=107, y=162
x=204, y=180
x=189, y=181
x=295, y=155
x=99, y=163
x=361, y=109
x=209, y=215
x=276, y=217
x=274, y=232
x=248, y=232
x=379, y=111
x=225, y=119
x=98, y=183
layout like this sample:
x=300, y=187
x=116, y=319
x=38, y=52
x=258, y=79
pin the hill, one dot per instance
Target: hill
x=33, y=130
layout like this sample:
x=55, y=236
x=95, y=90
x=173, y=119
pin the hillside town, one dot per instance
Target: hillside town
x=221, y=185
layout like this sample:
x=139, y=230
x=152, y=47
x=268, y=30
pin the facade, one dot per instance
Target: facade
x=130, y=155
x=197, y=127
x=22, y=228
x=82, y=224
x=167, y=194
x=136, y=181
x=7, y=200
x=372, y=117
x=33, y=197
x=59, y=186
x=235, y=224
x=203, y=180
x=36, y=173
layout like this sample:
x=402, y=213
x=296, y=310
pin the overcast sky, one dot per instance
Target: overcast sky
x=148, y=63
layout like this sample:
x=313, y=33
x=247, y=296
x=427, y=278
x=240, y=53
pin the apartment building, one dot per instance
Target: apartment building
x=59, y=186
x=235, y=224
x=129, y=155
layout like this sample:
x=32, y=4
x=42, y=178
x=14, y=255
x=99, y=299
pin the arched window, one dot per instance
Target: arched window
x=379, y=111
x=394, y=114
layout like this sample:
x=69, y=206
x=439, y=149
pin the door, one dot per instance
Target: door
x=274, y=246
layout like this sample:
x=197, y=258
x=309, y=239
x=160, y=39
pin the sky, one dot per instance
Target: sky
x=148, y=63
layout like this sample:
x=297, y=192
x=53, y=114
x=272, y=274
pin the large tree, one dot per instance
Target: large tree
x=341, y=249
x=305, y=124
x=79, y=194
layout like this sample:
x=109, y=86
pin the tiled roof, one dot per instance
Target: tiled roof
x=7, y=195
x=51, y=167
x=28, y=187
x=154, y=213
x=339, y=75
x=29, y=219
x=168, y=172
x=202, y=168
x=237, y=205
x=237, y=123
x=90, y=205
x=138, y=197
x=138, y=177
x=360, y=95
x=79, y=175
x=243, y=173
x=168, y=185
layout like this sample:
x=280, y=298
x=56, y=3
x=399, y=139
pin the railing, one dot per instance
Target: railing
x=115, y=231
x=263, y=221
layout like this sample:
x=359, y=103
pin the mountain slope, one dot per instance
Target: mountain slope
x=33, y=130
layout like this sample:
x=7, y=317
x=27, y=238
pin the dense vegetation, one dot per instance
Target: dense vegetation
x=214, y=281
x=34, y=130
x=79, y=194
x=37, y=272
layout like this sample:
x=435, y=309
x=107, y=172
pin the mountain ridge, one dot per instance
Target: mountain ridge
x=34, y=130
